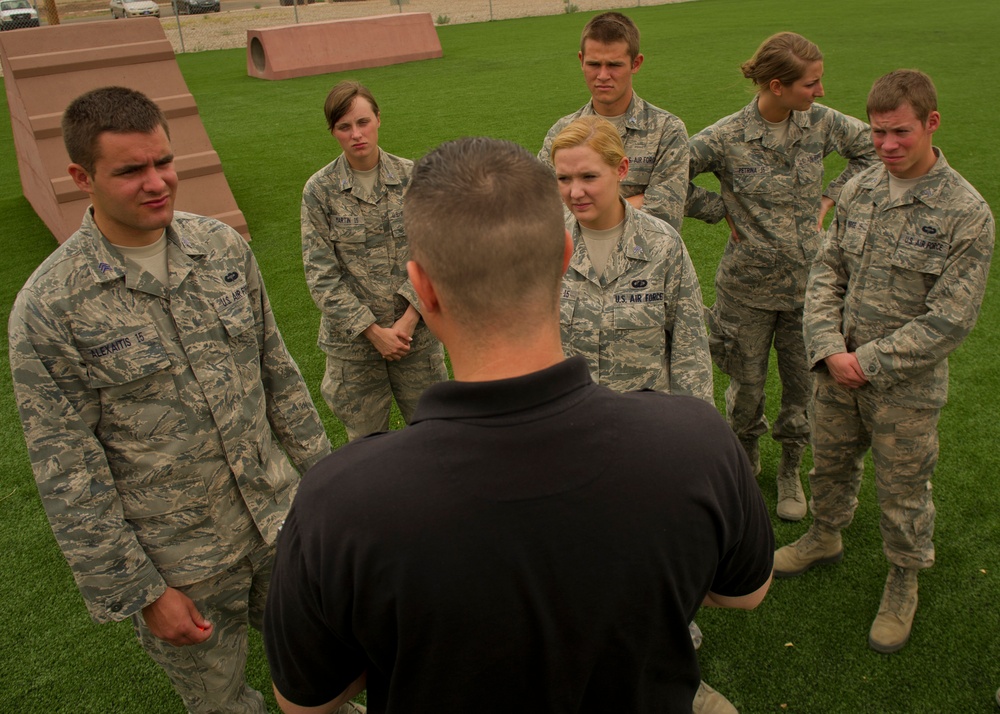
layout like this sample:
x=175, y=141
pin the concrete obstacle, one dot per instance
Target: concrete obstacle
x=340, y=45
x=46, y=68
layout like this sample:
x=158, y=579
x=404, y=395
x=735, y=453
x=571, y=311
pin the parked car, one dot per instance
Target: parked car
x=17, y=13
x=133, y=8
x=187, y=7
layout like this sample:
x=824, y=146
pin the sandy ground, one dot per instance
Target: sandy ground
x=228, y=29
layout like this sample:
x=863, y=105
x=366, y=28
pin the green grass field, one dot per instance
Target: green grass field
x=805, y=649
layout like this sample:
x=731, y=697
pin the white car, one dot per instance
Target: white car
x=133, y=8
x=17, y=13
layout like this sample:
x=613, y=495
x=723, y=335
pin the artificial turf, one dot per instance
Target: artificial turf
x=804, y=649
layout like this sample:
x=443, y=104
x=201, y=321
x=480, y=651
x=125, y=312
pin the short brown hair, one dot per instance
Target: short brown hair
x=903, y=86
x=610, y=27
x=485, y=222
x=783, y=57
x=593, y=131
x=341, y=97
x=116, y=109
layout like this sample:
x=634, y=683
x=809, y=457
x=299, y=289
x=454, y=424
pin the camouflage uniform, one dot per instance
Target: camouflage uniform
x=641, y=325
x=657, y=148
x=900, y=284
x=355, y=252
x=772, y=192
x=158, y=418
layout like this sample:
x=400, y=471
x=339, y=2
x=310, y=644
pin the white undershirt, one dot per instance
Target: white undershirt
x=366, y=178
x=151, y=258
x=600, y=244
x=899, y=186
x=779, y=129
x=618, y=121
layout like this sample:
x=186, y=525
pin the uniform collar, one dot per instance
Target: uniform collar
x=388, y=171
x=633, y=111
x=928, y=190
x=107, y=264
x=631, y=246
x=755, y=128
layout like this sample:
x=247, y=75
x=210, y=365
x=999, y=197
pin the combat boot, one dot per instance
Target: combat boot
x=818, y=546
x=709, y=701
x=891, y=628
x=753, y=453
x=791, y=497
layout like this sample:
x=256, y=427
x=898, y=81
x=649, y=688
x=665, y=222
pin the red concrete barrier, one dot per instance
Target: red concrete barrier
x=46, y=68
x=340, y=45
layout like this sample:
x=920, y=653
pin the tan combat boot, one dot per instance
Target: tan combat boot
x=753, y=453
x=818, y=546
x=791, y=497
x=709, y=701
x=351, y=708
x=891, y=628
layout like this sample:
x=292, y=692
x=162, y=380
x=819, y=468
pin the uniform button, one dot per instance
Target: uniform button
x=115, y=607
x=871, y=368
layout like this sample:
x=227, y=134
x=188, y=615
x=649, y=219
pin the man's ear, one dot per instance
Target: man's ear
x=81, y=178
x=429, y=302
x=567, y=251
x=933, y=122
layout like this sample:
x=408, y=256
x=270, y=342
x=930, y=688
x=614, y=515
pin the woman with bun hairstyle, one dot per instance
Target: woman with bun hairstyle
x=768, y=158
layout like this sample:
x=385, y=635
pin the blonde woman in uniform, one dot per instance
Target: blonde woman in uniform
x=631, y=303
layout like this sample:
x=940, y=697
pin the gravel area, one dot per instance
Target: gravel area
x=227, y=29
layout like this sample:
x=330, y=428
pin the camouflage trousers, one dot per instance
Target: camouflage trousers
x=740, y=342
x=210, y=677
x=360, y=392
x=904, y=446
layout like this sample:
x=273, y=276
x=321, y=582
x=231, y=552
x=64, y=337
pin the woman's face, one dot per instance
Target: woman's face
x=800, y=94
x=357, y=132
x=589, y=187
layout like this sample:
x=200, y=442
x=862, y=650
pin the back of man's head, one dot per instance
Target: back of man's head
x=484, y=221
x=903, y=86
x=115, y=109
x=610, y=27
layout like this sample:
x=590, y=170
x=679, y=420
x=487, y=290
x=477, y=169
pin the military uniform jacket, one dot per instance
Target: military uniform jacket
x=641, y=325
x=900, y=282
x=354, y=250
x=773, y=192
x=157, y=418
x=656, y=144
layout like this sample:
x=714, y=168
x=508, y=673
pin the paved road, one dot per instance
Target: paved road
x=167, y=10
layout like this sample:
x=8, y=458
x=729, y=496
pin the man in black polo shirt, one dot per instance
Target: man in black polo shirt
x=532, y=541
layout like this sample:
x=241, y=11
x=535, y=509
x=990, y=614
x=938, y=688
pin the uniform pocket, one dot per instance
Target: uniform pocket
x=349, y=244
x=131, y=371
x=161, y=499
x=637, y=353
x=238, y=319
